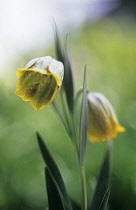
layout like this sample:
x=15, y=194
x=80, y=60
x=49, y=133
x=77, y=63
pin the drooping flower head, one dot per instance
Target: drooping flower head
x=40, y=81
x=102, y=120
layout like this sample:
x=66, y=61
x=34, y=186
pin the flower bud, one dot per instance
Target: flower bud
x=39, y=81
x=102, y=120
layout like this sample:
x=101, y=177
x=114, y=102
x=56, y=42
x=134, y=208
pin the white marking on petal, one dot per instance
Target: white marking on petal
x=57, y=68
x=43, y=62
x=31, y=63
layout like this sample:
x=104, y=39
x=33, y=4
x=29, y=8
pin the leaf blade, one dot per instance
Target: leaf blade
x=54, y=170
x=104, y=203
x=65, y=59
x=54, y=198
x=83, y=121
x=98, y=201
x=58, y=45
x=68, y=79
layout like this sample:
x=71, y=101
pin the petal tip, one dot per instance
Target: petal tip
x=121, y=129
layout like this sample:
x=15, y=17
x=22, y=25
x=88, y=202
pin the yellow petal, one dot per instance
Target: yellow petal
x=27, y=84
x=39, y=81
x=45, y=93
x=102, y=120
x=120, y=128
x=39, y=89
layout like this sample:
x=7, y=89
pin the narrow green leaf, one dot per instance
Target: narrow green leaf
x=83, y=122
x=104, y=203
x=75, y=206
x=65, y=59
x=68, y=79
x=77, y=110
x=58, y=45
x=53, y=168
x=54, y=198
x=99, y=199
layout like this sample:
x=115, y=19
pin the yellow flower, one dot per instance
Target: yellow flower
x=102, y=120
x=39, y=81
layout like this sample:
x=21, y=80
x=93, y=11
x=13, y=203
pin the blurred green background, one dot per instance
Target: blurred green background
x=108, y=47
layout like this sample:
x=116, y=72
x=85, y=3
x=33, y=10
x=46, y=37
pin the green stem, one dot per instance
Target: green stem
x=64, y=109
x=81, y=164
x=60, y=117
x=83, y=187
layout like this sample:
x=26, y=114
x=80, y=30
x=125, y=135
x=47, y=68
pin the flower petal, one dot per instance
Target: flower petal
x=102, y=122
x=39, y=82
x=45, y=93
x=57, y=70
x=26, y=84
x=39, y=89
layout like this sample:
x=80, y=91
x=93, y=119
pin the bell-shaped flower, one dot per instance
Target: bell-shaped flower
x=40, y=81
x=102, y=120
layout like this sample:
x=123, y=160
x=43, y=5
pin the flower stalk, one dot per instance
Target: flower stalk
x=83, y=187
